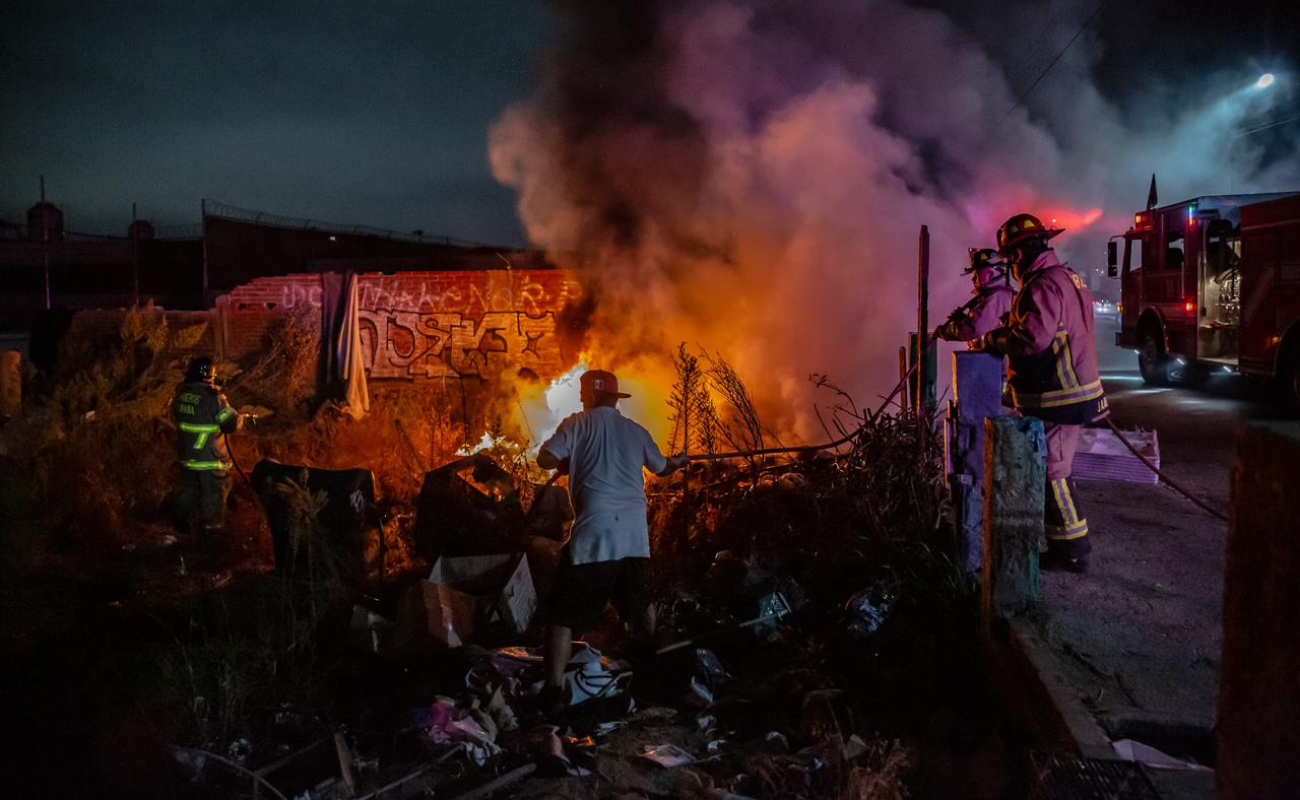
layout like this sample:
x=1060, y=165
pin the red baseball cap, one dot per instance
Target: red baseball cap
x=598, y=380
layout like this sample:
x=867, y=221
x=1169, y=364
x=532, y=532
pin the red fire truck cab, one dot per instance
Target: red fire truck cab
x=1214, y=283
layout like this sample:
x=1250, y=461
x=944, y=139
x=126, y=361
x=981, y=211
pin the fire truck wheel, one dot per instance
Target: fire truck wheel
x=1152, y=361
x=1288, y=379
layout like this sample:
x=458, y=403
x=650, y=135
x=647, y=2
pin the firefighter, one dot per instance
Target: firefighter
x=1053, y=376
x=203, y=418
x=993, y=296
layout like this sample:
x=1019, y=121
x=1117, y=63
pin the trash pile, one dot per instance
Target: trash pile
x=754, y=686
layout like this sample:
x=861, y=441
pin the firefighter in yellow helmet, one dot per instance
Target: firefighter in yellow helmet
x=1049, y=341
x=992, y=301
x=203, y=417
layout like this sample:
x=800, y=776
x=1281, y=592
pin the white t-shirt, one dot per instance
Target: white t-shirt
x=606, y=452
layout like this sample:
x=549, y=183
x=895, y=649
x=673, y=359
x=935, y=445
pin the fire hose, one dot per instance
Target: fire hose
x=812, y=448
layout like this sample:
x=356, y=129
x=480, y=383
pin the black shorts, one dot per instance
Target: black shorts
x=581, y=591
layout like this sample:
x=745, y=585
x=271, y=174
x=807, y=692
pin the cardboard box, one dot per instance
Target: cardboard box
x=464, y=592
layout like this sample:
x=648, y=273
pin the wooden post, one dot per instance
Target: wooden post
x=920, y=401
x=1259, y=686
x=903, y=402
x=1015, y=478
x=11, y=383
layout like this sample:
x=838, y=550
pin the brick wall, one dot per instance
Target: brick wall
x=415, y=326
x=420, y=326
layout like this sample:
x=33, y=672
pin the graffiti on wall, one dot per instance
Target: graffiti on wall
x=457, y=325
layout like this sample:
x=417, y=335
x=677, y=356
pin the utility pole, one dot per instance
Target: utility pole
x=45, y=248
x=135, y=258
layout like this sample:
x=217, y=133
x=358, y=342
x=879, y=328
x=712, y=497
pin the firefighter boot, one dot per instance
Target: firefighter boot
x=1069, y=556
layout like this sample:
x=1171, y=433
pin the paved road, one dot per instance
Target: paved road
x=1140, y=634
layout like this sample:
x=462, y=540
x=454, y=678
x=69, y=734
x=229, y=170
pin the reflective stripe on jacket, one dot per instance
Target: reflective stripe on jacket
x=202, y=416
x=1051, y=346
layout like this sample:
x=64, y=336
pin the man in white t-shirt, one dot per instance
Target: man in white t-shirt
x=607, y=554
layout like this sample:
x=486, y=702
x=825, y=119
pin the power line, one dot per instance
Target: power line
x=1043, y=74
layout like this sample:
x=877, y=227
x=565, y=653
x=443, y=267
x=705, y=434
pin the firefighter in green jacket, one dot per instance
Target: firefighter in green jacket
x=203, y=417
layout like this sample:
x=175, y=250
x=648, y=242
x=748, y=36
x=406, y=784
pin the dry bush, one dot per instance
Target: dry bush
x=407, y=432
x=95, y=438
x=282, y=374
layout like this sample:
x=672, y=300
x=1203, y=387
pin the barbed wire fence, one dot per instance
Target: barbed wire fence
x=215, y=208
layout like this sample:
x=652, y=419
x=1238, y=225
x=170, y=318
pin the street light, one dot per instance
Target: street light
x=1265, y=81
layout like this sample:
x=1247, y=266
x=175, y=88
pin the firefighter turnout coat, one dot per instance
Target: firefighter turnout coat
x=991, y=304
x=202, y=416
x=1049, y=338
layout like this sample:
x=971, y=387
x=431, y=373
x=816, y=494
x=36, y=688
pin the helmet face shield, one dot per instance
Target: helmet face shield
x=982, y=258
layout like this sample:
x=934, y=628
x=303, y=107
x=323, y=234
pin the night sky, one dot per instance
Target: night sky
x=378, y=113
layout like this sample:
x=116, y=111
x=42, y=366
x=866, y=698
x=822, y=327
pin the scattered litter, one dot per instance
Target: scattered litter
x=371, y=632
x=698, y=694
x=1145, y=754
x=705, y=721
x=868, y=609
x=461, y=592
x=777, y=738
x=667, y=755
x=854, y=746
x=585, y=741
x=239, y=750
x=606, y=728
x=716, y=745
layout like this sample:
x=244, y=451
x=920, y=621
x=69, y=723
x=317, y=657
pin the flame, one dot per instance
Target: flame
x=540, y=410
x=486, y=443
x=543, y=410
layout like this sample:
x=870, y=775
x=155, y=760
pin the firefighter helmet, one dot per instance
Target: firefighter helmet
x=981, y=258
x=201, y=370
x=1019, y=229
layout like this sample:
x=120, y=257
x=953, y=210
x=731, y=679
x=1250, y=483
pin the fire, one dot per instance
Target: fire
x=543, y=411
x=486, y=443
x=538, y=411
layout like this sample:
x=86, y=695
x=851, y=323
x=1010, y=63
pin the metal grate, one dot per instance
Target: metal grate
x=1059, y=776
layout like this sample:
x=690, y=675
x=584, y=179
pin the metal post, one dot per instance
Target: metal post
x=45, y=248
x=922, y=333
x=135, y=257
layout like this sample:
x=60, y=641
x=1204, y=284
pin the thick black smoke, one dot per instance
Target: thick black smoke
x=752, y=176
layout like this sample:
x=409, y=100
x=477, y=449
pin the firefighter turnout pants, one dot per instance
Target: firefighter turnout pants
x=203, y=491
x=1067, y=528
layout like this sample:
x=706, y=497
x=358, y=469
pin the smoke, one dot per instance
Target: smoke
x=751, y=177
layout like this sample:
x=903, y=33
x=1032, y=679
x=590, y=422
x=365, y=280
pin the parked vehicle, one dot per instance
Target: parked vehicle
x=1214, y=283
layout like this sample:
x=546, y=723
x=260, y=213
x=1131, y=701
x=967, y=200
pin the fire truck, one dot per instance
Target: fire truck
x=1213, y=284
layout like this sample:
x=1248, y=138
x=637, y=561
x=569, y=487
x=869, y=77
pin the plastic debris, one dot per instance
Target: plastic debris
x=777, y=738
x=854, y=746
x=868, y=609
x=1130, y=750
x=667, y=755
